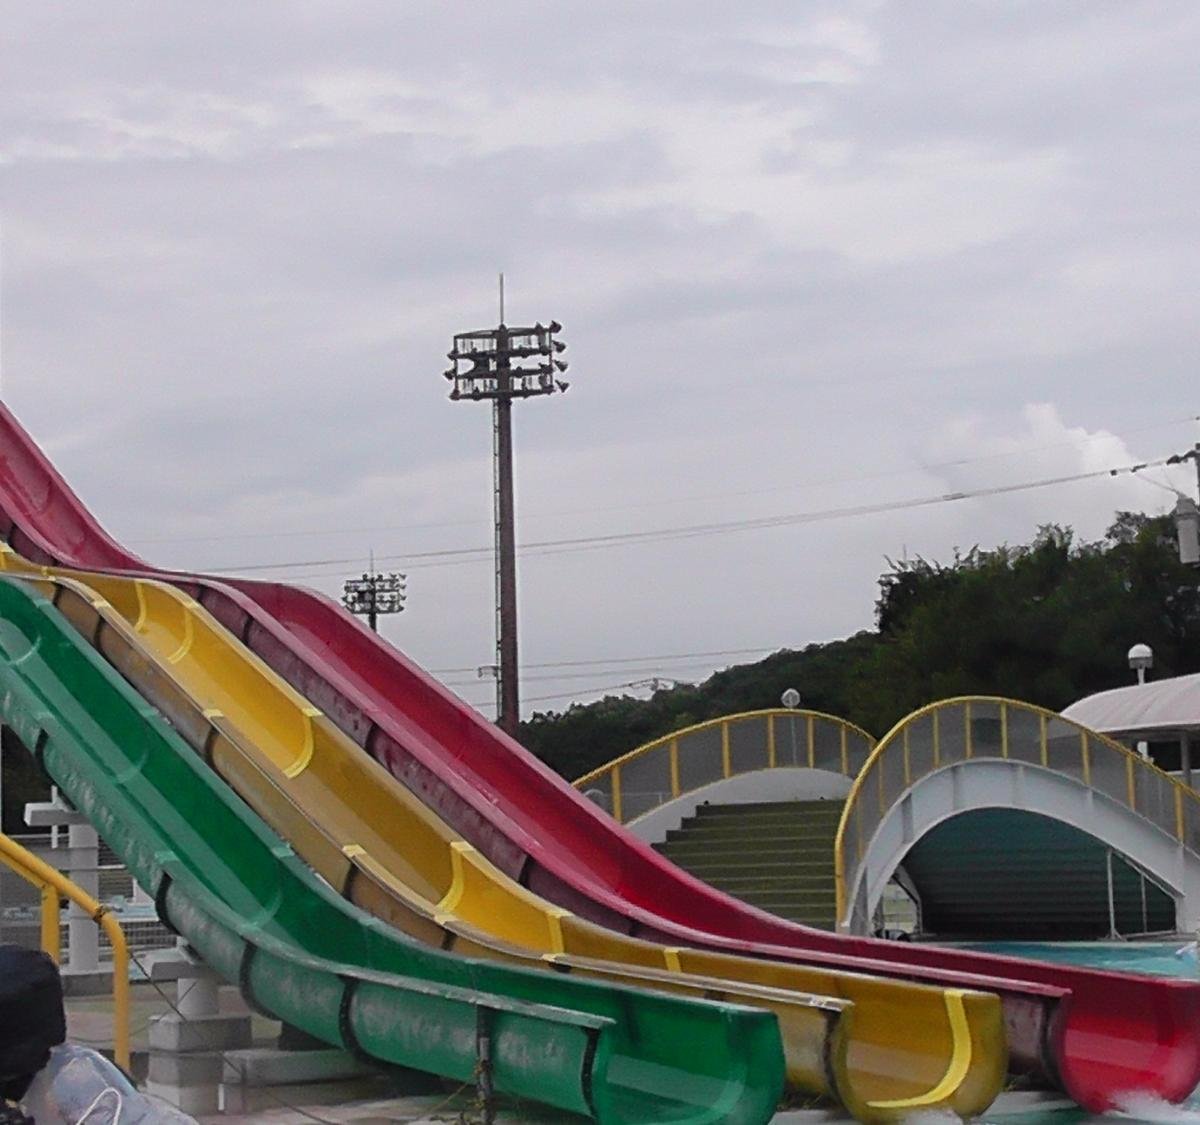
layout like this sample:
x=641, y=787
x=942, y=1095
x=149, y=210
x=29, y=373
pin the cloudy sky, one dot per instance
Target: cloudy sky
x=808, y=256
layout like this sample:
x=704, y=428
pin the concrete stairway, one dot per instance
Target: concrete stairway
x=776, y=856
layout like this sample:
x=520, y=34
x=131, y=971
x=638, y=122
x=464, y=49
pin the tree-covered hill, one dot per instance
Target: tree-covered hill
x=1045, y=622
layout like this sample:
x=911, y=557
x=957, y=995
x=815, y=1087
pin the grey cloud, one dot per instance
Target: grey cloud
x=789, y=246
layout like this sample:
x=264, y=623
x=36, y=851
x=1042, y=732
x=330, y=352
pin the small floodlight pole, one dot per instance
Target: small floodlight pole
x=482, y=367
x=375, y=593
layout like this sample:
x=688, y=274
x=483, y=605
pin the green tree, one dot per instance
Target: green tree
x=1045, y=622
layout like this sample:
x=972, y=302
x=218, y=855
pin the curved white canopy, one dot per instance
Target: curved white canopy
x=1166, y=707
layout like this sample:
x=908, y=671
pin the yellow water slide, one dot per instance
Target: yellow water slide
x=884, y=1047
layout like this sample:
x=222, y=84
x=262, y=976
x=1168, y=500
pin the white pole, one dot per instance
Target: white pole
x=1112, y=904
x=83, y=935
x=1143, y=748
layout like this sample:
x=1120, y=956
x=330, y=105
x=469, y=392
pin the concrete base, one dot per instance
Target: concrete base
x=266, y=1066
x=97, y=982
x=192, y=1100
x=236, y=1098
x=175, y=964
x=194, y=1068
x=294, y=1039
x=171, y=1033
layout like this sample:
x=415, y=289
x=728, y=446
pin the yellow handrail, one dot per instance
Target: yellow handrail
x=663, y=740
x=898, y=736
x=54, y=886
x=674, y=743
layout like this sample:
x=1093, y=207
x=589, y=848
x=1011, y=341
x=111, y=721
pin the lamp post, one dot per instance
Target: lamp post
x=791, y=700
x=1141, y=657
x=502, y=364
x=373, y=594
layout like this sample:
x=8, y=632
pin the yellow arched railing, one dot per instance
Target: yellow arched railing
x=55, y=886
x=989, y=727
x=636, y=783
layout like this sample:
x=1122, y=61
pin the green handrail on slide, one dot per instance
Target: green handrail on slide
x=262, y=919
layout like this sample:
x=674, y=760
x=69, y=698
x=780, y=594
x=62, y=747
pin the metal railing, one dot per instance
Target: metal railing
x=107, y=879
x=53, y=886
x=640, y=781
x=989, y=727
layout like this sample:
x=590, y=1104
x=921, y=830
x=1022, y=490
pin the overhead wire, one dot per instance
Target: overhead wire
x=618, y=659
x=690, y=531
x=556, y=676
x=566, y=694
x=1021, y=451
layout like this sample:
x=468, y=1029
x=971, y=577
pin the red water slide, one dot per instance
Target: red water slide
x=1098, y=1035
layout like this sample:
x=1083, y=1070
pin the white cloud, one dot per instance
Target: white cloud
x=805, y=257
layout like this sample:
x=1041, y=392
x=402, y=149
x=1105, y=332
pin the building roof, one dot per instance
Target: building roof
x=1166, y=707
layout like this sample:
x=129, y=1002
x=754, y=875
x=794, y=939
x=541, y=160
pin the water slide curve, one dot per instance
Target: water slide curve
x=262, y=919
x=1099, y=1036
x=883, y=1047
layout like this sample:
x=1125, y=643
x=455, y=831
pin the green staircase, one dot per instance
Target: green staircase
x=777, y=856
x=1011, y=875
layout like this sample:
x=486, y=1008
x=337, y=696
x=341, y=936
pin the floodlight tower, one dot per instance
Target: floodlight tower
x=502, y=364
x=373, y=594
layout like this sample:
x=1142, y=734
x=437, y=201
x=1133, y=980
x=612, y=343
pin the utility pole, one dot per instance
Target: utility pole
x=502, y=364
x=1187, y=514
x=508, y=703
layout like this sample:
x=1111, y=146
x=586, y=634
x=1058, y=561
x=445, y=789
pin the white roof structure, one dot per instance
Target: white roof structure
x=1166, y=707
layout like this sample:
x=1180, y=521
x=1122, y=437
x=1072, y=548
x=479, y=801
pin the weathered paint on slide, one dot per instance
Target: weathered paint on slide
x=257, y=914
x=1097, y=1035
x=901, y=1047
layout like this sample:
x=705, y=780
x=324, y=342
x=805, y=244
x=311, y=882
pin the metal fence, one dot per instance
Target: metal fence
x=20, y=903
x=980, y=727
x=678, y=763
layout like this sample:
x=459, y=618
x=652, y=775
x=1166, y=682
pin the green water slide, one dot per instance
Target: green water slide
x=260, y=917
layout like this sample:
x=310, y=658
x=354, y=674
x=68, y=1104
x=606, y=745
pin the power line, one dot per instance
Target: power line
x=816, y=483
x=556, y=676
x=619, y=659
x=570, y=694
x=691, y=531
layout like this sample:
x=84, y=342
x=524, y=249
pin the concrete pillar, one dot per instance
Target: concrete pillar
x=1185, y=758
x=196, y=996
x=79, y=861
x=83, y=935
x=186, y=1045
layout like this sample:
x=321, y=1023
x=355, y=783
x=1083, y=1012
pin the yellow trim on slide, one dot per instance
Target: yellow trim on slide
x=960, y=1060
x=189, y=637
x=554, y=917
x=139, y=588
x=458, y=878
x=344, y=806
x=306, y=752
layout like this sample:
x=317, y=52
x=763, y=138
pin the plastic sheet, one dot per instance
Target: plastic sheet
x=79, y=1086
